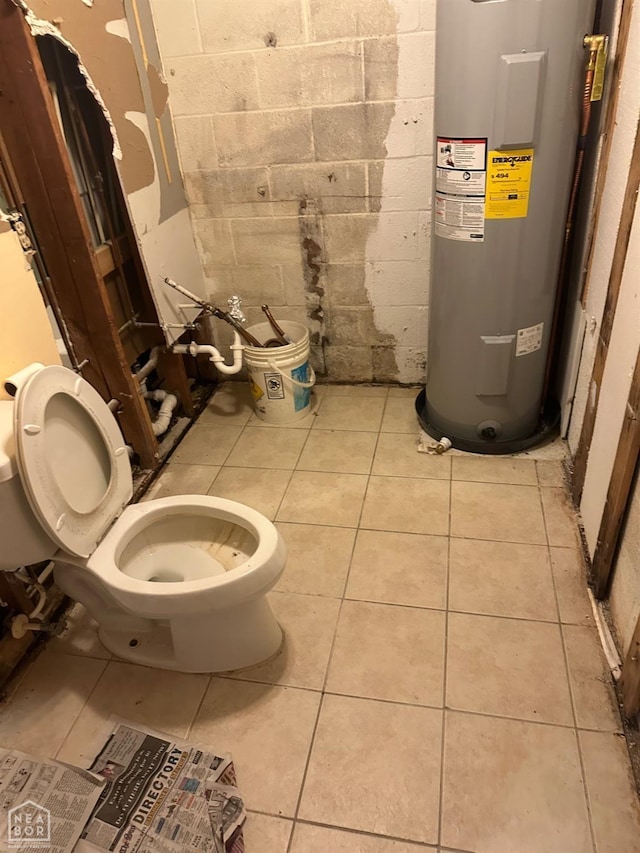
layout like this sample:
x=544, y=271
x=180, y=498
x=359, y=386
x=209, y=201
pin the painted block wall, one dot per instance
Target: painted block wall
x=304, y=131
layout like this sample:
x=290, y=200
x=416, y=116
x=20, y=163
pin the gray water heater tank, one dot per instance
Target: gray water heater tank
x=509, y=82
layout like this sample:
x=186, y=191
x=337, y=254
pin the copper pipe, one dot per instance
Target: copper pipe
x=280, y=335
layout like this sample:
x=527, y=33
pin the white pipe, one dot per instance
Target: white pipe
x=163, y=419
x=44, y=574
x=151, y=364
x=13, y=382
x=42, y=598
x=215, y=355
x=20, y=626
x=606, y=640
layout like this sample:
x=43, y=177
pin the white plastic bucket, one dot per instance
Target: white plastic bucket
x=280, y=378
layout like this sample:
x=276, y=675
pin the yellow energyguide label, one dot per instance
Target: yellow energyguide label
x=508, y=183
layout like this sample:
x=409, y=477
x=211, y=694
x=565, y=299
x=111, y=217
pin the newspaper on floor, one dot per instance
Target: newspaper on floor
x=163, y=795
x=44, y=805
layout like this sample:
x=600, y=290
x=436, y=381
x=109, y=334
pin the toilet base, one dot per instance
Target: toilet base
x=224, y=641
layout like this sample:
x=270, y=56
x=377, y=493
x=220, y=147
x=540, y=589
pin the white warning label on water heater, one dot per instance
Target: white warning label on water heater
x=529, y=340
x=461, y=179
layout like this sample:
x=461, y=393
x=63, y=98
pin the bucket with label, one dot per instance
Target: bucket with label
x=280, y=378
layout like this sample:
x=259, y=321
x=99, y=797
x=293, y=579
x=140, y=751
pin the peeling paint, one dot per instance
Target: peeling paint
x=119, y=27
x=159, y=90
x=145, y=202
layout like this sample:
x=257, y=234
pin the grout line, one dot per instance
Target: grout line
x=200, y=704
x=306, y=769
x=196, y=16
x=308, y=108
x=299, y=46
x=306, y=22
x=330, y=657
x=583, y=775
x=226, y=676
x=84, y=705
x=358, y=161
x=445, y=669
x=365, y=834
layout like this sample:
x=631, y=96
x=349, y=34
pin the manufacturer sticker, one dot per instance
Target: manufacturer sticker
x=509, y=183
x=256, y=390
x=461, y=175
x=529, y=340
x=274, y=386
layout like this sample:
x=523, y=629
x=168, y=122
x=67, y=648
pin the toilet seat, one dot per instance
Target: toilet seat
x=178, y=583
x=72, y=459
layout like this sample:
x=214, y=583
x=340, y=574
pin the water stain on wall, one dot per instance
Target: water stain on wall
x=346, y=344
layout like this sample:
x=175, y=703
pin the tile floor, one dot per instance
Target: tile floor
x=442, y=685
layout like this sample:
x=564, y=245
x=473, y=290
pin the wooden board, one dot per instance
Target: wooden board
x=630, y=678
x=618, y=493
x=604, y=336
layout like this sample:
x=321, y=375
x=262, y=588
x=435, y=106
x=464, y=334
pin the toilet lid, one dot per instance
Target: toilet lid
x=72, y=458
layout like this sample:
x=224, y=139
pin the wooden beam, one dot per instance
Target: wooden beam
x=606, y=327
x=39, y=157
x=624, y=469
x=630, y=678
x=609, y=125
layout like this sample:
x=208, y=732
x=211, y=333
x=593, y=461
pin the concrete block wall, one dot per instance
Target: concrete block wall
x=304, y=130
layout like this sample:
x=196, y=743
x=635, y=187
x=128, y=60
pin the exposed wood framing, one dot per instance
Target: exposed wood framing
x=606, y=327
x=39, y=156
x=13, y=651
x=609, y=125
x=624, y=469
x=630, y=679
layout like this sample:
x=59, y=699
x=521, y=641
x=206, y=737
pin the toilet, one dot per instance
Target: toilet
x=178, y=583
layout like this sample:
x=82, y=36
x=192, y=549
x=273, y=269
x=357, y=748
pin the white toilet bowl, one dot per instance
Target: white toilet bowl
x=179, y=582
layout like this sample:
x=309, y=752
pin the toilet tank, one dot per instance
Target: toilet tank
x=22, y=539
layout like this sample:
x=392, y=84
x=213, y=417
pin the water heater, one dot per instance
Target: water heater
x=509, y=82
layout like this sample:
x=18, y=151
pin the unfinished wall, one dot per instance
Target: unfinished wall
x=304, y=132
x=608, y=221
x=114, y=41
x=622, y=352
x=26, y=332
x=625, y=590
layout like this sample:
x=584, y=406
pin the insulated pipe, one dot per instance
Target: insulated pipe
x=169, y=402
x=151, y=364
x=215, y=355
